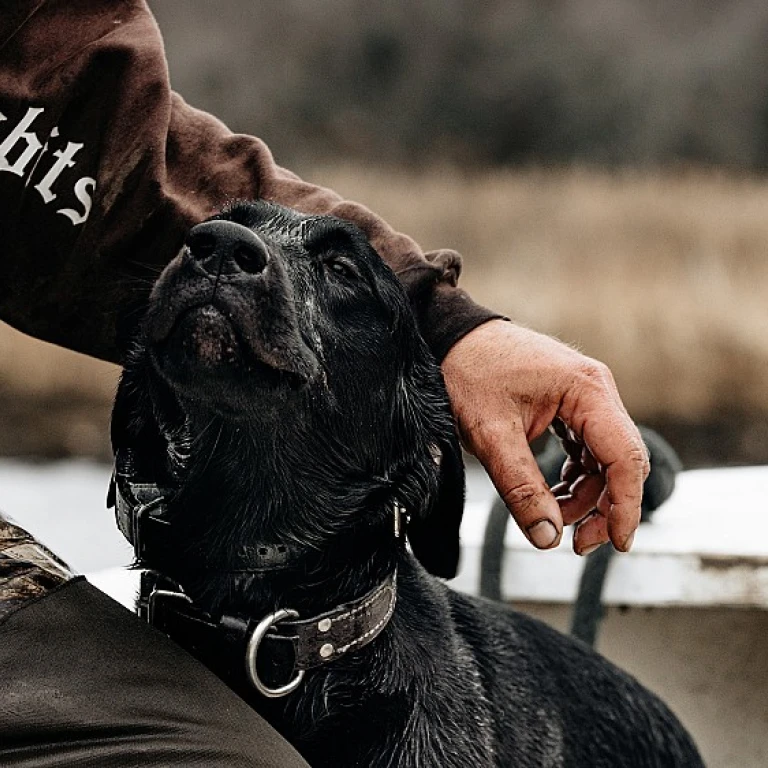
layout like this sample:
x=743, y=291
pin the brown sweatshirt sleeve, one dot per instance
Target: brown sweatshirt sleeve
x=103, y=169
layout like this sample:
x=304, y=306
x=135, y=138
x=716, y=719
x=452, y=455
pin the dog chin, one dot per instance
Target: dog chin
x=204, y=359
x=205, y=338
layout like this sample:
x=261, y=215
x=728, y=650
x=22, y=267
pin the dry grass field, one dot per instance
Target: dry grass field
x=663, y=276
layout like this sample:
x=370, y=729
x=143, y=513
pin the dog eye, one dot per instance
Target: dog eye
x=341, y=266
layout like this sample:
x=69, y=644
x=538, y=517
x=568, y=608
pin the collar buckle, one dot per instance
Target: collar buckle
x=140, y=508
x=155, y=587
x=138, y=523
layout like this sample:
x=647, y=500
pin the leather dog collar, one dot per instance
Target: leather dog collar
x=275, y=651
x=281, y=646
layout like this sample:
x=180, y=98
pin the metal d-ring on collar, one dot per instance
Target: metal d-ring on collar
x=303, y=643
x=141, y=512
x=251, y=651
x=324, y=638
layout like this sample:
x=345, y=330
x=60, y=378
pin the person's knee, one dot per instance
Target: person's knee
x=92, y=685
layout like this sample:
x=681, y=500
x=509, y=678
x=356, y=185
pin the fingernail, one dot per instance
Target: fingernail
x=628, y=542
x=591, y=548
x=543, y=534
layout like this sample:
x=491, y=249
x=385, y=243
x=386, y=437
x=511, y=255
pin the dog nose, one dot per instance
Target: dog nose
x=225, y=247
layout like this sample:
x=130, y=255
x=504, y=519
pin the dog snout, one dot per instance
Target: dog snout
x=226, y=247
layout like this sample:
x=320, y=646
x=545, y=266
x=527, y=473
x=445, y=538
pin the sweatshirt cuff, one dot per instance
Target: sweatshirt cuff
x=446, y=314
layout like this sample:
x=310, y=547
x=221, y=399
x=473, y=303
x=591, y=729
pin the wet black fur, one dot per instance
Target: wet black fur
x=299, y=410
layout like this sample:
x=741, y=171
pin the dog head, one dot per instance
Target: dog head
x=279, y=382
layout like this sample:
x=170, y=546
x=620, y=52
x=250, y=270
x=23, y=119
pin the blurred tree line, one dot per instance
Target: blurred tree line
x=615, y=82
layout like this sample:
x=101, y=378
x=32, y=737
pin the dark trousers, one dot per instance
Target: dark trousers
x=84, y=683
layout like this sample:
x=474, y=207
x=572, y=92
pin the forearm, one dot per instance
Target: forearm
x=118, y=168
x=444, y=311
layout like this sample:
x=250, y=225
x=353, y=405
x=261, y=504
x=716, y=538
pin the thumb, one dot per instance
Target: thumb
x=512, y=468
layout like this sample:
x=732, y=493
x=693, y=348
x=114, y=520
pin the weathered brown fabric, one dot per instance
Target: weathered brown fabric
x=103, y=169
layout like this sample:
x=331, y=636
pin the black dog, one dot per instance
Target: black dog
x=279, y=428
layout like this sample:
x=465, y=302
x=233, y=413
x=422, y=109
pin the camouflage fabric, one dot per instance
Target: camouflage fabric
x=27, y=569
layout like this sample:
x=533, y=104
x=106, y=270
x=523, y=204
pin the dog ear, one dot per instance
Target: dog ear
x=434, y=532
x=134, y=430
x=433, y=491
x=122, y=416
x=130, y=411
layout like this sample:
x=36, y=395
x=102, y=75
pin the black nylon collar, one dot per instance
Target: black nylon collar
x=141, y=513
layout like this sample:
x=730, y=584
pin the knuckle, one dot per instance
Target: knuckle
x=638, y=457
x=598, y=374
x=522, y=497
x=626, y=477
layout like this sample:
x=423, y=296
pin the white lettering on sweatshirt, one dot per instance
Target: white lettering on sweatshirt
x=23, y=145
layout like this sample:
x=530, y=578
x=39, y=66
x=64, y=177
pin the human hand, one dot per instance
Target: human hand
x=507, y=385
